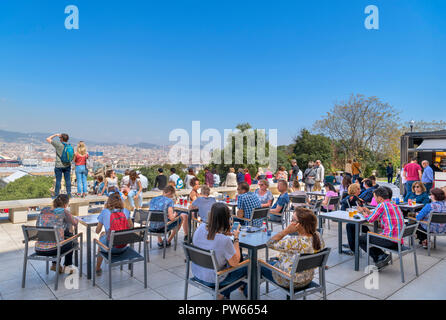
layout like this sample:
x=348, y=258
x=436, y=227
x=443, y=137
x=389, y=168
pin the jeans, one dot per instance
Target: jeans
x=355, y=176
x=133, y=193
x=267, y=273
x=66, y=171
x=308, y=187
x=230, y=278
x=389, y=178
x=428, y=186
x=374, y=252
x=409, y=186
x=81, y=178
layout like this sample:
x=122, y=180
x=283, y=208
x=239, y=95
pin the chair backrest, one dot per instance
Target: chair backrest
x=409, y=230
x=317, y=205
x=334, y=201
x=310, y=261
x=260, y=213
x=438, y=217
x=32, y=233
x=141, y=216
x=298, y=199
x=201, y=257
x=157, y=216
x=128, y=236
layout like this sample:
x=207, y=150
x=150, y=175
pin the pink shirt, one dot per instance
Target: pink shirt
x=80, y=160
x=412, y=171
x=329, y=195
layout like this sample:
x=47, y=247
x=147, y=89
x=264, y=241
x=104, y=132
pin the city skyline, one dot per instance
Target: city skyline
x=132, y=74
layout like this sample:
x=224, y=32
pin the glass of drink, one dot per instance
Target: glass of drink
x=185, y=202
x=409, y=202
x=414, y=202
x=181, y=201
x=227, y=200
x=350, y=212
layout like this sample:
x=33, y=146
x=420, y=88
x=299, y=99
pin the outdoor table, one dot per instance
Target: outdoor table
x=412, y=208
x=188, y=210
x=316, y=194
x=231, y=204
x=254, y=242
x=89, y=222
x=340, y=217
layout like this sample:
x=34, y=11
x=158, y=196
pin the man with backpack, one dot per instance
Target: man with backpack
x=64, y=157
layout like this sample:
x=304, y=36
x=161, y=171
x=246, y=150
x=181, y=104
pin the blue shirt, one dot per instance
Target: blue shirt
x=367, y=195
x=428, y=175
x=161, y=203
x=204, y=205
x=281, y=201
x=247, y=202
x=265, y=198
x=422, y=198
x=424, y=214
x=104, y=217
x=240, y=177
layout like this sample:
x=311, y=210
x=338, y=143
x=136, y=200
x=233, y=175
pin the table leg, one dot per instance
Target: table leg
x=76, y=253
x=375, y=226
x=89, y=262
x=339, y=237
x=356, y=246
x=189, y=225
x=254, y=280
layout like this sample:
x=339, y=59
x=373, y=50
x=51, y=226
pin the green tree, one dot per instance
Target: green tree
x=27, y=187
x=152, y=171
x=311, y=147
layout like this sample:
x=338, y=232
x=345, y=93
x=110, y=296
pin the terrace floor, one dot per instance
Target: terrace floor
x=166, y=276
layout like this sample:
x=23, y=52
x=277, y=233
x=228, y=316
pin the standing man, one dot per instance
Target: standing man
x=294, y=171
x=389, y=172
x=356, y=170
x=62, y=168
x=160, y=180
x=348, y=168
x=174, y=177
x=412, y=173
x=428, y=176
x=240, y=176
x=208, y=178
x=320, y=173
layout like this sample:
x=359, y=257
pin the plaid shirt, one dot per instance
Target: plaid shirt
x=247, y=202
x=390, y=217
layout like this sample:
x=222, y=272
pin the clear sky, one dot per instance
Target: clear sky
x=135, y=70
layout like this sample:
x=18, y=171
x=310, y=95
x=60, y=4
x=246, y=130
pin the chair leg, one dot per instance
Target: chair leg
x=109, y=280
x=47, y=266
x=56, y=285
x=81, y=261
x=415, y=261
x=401, y=267
x=391, y=258
x=25, y=262
x=428, y=245
x=435, y=242
x=94, y=264
x=131, y=270
x=122, y=267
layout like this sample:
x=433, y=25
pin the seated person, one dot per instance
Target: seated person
x=352, y=200
x=204, y=203
x=215, y=235
x=57, y=216
x=418, y=193
x=246, y=202
x=343, y=188
x=265, y=196
x=374, y=184
x=367, y=195
x=307, y=240
x=296, y=191
x=281, y=202
x=438, y=204
x=331, y=192
x=195, y=184
x=391, y=220
x=163, y=203
x=114, y=209
x=330, y=179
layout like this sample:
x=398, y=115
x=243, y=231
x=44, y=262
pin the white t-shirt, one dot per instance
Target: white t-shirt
x=216, y=179
x=300, y=175
x=187, y=181
x=174, y=177
x=125, y=181
x=144, y=181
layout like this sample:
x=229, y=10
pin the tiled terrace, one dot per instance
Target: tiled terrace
x=166, y=276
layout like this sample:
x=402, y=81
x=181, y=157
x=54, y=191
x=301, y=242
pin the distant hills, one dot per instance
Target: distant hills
x=19, y=137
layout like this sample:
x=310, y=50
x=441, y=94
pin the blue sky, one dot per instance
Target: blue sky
x=135, y=70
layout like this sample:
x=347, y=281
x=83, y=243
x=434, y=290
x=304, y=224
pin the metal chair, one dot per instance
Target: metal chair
x=161, y=216
x=207, y=259
x=301, y=263
x=257, y=214
x=283, y=216
x=301, y=201
x=129, y=256
x=408, y=231
x=32, y=233
x=435, y=217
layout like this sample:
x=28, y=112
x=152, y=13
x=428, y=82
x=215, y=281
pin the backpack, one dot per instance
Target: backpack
x=118, y=222
x=180, y=183
x=67, y=155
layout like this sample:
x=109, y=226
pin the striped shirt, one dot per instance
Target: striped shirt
x=248, y=202
x=390, y=217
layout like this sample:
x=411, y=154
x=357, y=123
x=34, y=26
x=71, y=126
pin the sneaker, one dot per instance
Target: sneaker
x=168, y=244
x=53, y=268
x=68, y=270
x=348, y=252
x=161, y=244
x=383, y=260
x=346, y=246
x=185, y=238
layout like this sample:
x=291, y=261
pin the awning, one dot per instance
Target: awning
x=432, y=145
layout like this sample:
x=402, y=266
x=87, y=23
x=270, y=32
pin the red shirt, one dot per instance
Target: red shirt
x=80, y=160
x=248, y=178
x=412, y=171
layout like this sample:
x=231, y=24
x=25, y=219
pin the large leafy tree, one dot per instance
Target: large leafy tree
x=311, y=147
x=27, y=187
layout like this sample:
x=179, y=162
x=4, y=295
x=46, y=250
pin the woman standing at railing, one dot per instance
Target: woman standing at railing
x=80, y=160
